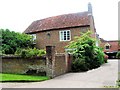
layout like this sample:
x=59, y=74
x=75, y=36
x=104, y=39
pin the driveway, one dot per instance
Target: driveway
x=106, y=75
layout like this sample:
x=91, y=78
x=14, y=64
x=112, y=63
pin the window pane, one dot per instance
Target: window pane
x=34, y=36
x=68, y=32
x=107, y=47
x=64, y=32
x=62, y=38
x=64, y=35
x=68, y=38
x=68, y=35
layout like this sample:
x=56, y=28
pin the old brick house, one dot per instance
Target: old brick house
x=110, y=47
x=59, y=30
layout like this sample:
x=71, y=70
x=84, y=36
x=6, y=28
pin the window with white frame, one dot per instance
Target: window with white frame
x=65, y=35
x=107, y=46
x=33, y=38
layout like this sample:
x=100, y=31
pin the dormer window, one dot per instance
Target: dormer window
x=107, y=46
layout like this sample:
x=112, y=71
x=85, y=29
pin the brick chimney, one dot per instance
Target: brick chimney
x=89, y=8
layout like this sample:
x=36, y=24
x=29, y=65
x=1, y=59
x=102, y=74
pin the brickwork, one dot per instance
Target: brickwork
x=60, y=65
x=44, y=40
x=57, y=64
x=52, y=64
x=22, y=66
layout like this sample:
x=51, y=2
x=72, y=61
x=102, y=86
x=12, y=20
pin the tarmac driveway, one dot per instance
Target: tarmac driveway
x=106, y=75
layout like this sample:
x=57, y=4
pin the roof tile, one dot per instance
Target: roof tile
x=61, y=21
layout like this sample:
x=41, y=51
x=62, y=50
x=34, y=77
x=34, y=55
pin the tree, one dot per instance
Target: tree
x=86, y=54
x=12, y=40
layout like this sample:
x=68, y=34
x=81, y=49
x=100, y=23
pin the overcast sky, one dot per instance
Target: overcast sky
x=17, y=15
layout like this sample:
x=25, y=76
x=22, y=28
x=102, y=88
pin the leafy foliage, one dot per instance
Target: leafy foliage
x=118, y=54
x=12, y=40
x=86, y=54
x=29, y=53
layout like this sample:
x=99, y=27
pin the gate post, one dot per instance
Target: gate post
x=50, y=59
x=67, y=62
x=68, y=58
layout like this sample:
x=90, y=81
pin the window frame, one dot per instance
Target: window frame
x=107, y=45
x=34, y=38
x=61, y=36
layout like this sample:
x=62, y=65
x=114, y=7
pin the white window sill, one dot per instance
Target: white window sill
x=64, y=40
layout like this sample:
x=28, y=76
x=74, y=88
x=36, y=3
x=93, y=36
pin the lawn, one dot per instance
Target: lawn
x=21, y=78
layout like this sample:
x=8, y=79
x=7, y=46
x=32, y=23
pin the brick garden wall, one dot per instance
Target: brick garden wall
x=59, y=65
x=62, y=64
x=22, y=66
x=51, y=65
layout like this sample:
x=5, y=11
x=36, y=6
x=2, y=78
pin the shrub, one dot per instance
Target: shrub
x=79, y=65
x=18, y=51
x=41, y=52
x=12, y=40
x=28, y=53
x=24, y=53
x=99, y=55
x=86, y=54
x=118, y=54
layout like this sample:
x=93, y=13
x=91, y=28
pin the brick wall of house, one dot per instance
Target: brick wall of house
x=44, y=40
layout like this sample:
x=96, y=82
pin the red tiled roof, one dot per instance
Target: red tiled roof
x=57, y=22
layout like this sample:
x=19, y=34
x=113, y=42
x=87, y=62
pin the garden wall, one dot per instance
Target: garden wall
x=62, y=64
x=20, y=65
x=51, y=65
x=59, y=65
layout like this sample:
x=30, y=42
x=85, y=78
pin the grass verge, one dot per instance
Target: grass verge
x=21, y=78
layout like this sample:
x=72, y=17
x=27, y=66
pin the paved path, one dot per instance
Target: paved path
x=106, y=75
